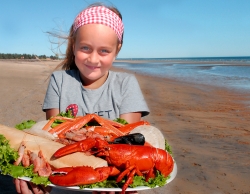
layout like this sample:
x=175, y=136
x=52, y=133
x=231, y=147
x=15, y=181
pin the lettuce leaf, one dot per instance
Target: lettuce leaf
x=7, y=154
x=25, y=124
x=122, y=121
x=66, y=114
x=56, y=122
x=103, y=184
x=40, y=180
x=168, y=148
x=159, y=180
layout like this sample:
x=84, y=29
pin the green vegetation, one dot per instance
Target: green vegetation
x=122, y=121
x=168, y=148
x=25, y=56
x=25, y=124
x=159, y=180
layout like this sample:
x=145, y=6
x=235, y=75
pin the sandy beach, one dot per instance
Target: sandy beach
x=207, y=127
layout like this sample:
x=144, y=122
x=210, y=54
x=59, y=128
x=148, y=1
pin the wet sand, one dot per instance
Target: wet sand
x=207, y=127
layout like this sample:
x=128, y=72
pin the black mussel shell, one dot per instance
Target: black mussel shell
x=132, y=139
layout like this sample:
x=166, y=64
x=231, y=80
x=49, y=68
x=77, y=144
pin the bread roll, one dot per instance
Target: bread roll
x=48, y=147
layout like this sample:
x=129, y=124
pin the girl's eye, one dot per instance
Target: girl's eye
x=85, y=48
x=104, y=51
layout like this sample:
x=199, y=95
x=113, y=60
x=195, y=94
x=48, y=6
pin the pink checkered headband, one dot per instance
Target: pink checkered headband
x=100, y=15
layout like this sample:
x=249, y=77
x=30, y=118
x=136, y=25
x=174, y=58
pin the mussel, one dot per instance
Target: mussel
x=131, y=139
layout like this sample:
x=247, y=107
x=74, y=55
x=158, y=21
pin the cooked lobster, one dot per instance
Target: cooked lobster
x=129, y=159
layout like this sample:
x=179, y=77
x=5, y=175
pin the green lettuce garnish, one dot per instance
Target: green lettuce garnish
x=56, y=122
x=122, y=121
x=25, y=124
x=103, y=184
x=159, y=180
x=68, y=114
x=7, y=155
x=40, y=180
x=168, y=148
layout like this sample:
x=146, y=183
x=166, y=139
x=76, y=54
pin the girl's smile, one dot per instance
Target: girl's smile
x=92, y=67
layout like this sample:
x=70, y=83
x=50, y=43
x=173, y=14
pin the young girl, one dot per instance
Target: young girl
x=94, y=41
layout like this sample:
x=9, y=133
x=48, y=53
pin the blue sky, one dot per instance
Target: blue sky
x=153, y=28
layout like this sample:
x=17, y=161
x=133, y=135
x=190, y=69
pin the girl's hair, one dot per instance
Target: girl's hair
x=69, y=60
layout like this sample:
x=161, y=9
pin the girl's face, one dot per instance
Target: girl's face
x=95, y=49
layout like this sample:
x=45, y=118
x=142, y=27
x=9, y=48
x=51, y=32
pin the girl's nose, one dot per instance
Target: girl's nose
x=93, y=57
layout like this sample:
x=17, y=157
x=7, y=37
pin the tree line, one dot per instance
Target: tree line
x=26, y=56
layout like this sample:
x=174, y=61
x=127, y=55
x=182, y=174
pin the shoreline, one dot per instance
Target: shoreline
x=206, y=126
x=136, y=61
x=184, y=61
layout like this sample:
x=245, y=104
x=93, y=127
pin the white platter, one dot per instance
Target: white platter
x=76, y=188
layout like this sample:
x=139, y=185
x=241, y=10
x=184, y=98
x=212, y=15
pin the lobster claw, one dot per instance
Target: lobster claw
x=81, y=175
x=131, y=139
x=81, y=146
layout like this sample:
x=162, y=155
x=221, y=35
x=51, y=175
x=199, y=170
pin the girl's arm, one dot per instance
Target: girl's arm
x=51, y=112
x=131, y=117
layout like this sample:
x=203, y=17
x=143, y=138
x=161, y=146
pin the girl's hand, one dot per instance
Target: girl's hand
x=24, y=187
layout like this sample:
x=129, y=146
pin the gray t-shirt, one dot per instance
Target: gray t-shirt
x=119, y=94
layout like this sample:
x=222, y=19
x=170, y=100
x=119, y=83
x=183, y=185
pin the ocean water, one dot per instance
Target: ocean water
x=229, y=72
